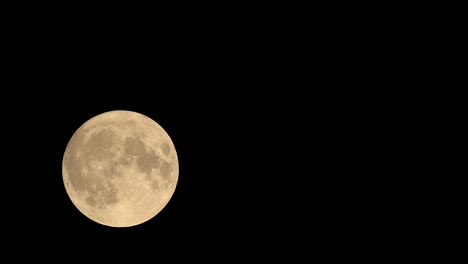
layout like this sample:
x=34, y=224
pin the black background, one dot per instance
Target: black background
x=234, y=134
x=274, y=145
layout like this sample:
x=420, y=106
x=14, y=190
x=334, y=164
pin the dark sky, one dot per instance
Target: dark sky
x=286, y=131
x=229, y=144
x=263, y=157
x=248, y=130
x=262, y=160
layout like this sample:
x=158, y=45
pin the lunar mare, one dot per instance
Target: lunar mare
x=120, y=168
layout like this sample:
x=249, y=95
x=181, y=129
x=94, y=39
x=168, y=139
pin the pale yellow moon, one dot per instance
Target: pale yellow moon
x=120, y=168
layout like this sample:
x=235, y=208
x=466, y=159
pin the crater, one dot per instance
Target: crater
x=165, y=148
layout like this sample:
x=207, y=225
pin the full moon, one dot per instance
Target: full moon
x=120, y=168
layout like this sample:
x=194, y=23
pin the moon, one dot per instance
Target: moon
x=120, y=168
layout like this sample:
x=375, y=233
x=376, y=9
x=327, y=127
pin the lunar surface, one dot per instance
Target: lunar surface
x=120, y=168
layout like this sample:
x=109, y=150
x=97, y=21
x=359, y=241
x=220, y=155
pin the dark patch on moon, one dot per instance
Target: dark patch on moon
x=166, y=169
x=90, y=201
x=98, y=188
x=148, y=161
x=101, y=194
x=134, y=146
x=155, y=184
x=106, y=192
x=110, y=195
x=165, y=149
x=112, y=169
x=99, y=145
